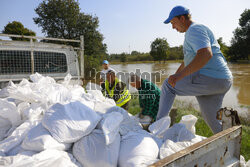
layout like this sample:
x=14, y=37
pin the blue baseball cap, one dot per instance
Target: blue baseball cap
x=176, y=11
x=105, y=62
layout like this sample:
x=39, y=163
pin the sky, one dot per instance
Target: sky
x=131, y=25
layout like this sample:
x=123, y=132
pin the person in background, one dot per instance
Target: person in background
x=204, y=72
x=149, y=97
x=116, y=90
x=106, y=68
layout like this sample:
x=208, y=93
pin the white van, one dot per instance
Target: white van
x=20, y=59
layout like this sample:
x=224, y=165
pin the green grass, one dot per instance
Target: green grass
x=134, y=107
x=202, y=128
x=245, y=142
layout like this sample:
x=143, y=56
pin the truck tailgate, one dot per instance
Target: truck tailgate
x=221, y=149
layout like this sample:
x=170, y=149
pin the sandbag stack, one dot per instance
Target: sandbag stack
x=44, y=123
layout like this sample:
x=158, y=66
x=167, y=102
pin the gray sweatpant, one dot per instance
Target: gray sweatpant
x=208, y=91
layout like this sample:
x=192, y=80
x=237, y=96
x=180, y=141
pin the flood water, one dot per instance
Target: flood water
x=238, y=97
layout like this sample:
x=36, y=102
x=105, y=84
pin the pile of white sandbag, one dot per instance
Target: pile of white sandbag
x=44, y=123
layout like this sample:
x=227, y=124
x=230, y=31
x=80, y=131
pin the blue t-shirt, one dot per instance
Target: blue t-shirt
x=197, y=37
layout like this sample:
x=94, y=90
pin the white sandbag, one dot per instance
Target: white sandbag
x=92, y=87
x=14, y=161
x=39, y=139
x=110, y=126
x=9, y=117
x=58, y=94
x=66, y=80
x=3, y=92
x=45, y=158
x=14, y=151
x=19, y=150
x=129, y=123
x=8, y=110
x=89, y=100
x=189, y=121
x=242, y=161
x=50, y=91
x=27, y=153
x=159, y=141
x=248, y=163
x=91, y=150
x=178, y=132
x=1, y=155
x=38, y=78
x=34, y=111
x=88, y=103
x=169, y=147
x=21, y=108
x=17, y=136
x=16, y=101
x=95, y=94
x=78, y=94
x=101, y=103
x=102, y=106
x=23, y=92
x=198, y=138
x=77, y=91
x=69, y=122
x=159, y=127
x=5, y=125
x=137, y=149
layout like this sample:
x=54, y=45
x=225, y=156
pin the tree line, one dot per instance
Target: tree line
x=63, y=19
x=161, y=53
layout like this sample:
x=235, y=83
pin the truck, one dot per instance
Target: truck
x=20, y=59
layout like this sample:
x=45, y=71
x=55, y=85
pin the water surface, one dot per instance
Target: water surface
x=237, y=96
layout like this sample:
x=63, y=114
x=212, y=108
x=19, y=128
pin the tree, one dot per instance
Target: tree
x=159, y=49
x=240, y=44
x=123, y=57
x=63, y=19
x=135, y=53
x=224, y=48
x=175, y=53
x=17, y=28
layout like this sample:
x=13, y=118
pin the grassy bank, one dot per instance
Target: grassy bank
x=201, y=127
